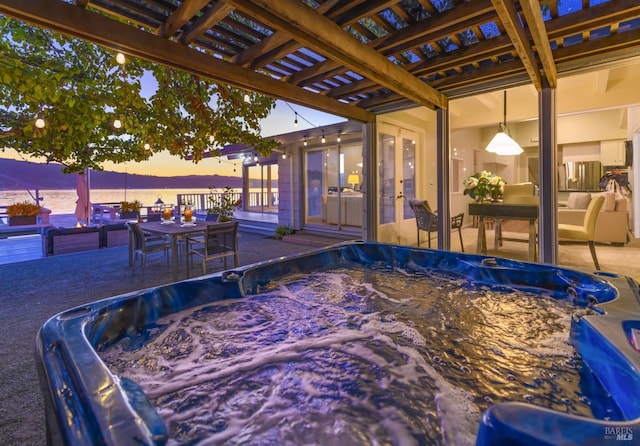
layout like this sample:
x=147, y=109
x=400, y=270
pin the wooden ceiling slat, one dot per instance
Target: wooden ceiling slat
x=435, y=29
x=599, y=48
x=599, y=16
x=180, y=16
x=205, y=21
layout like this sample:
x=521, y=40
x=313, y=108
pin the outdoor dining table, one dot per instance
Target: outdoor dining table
x=176, y=231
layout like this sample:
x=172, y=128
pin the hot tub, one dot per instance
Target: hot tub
x=87, y=402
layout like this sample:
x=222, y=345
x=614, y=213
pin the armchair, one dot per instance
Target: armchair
x=587, y=231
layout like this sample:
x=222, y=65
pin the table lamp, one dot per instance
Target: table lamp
x=353, y=179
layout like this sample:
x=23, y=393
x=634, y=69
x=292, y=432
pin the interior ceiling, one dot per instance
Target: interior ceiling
x=356, y=58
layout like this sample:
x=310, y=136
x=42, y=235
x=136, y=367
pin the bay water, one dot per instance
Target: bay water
x=63, y=201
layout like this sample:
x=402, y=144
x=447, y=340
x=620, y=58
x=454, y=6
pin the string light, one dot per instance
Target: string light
x=120, y=59
x=147, y=146
x=305, y=141
x=338, y=137
x=284, y=155
x=295, y=121
x=323, y=138
x=40, y=122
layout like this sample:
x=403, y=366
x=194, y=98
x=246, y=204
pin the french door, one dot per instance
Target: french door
x=397, y=148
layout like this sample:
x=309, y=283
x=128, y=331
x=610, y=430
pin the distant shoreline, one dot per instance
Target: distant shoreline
x=20, y=175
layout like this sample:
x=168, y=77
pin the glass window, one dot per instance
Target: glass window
x=386, y=167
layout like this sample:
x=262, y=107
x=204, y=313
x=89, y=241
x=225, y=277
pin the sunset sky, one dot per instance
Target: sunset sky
x=163, y=164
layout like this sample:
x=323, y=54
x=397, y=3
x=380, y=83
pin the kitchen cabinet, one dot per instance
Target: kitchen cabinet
x=612, y=153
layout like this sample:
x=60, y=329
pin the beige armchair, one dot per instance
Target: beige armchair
x=586, y=232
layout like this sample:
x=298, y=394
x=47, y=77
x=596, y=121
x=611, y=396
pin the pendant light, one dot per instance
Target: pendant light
x=502, y=143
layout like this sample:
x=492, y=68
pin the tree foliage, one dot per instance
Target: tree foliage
x=79, y=90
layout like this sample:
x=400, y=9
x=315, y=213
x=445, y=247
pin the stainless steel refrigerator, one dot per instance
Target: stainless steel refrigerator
x=582, y=175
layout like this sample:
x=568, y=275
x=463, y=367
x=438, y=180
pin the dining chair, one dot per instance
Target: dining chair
x=144, y=245
x=586, y=232
x=220, y=241
x=515, y=193
x=427, y=220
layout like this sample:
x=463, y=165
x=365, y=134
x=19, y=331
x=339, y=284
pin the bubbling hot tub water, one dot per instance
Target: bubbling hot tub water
x=365, y=355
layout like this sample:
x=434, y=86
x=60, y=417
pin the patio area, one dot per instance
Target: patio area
x=39, y=288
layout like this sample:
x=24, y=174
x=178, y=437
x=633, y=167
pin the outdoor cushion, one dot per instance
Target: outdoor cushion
x=578, y=200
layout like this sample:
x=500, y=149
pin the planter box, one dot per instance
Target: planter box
x=22, y=220
x=130, y=215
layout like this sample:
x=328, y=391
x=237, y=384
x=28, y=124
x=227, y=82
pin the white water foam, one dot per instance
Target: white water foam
x=363, y=356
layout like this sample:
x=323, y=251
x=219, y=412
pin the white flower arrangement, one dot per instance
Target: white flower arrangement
x=483, y=186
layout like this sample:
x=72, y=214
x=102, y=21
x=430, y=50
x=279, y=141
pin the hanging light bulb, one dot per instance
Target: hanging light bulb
x=247, y=98
x=338, y=137
x=120, y=59
x=284, y=155
x=40, y=122
x=147, y=146
x=502, y=143
x=117, y=123
x=305, y=141
x=323, y=138
x=295, y=121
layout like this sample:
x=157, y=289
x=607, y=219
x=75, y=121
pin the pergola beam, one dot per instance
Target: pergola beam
x=78, y=22
x=323, y=35
x=533, y=16
x=509, y=18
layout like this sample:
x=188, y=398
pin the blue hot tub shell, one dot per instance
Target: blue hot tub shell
x=86, y=404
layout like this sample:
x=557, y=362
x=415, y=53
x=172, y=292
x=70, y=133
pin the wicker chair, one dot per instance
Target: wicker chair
x=427, y=220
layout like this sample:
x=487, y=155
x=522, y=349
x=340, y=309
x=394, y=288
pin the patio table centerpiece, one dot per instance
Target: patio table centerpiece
x=23, y=213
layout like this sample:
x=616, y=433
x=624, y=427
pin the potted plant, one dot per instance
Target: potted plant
x=130, y=209
x=484, y=186
x=221, y=204
x=24, y=213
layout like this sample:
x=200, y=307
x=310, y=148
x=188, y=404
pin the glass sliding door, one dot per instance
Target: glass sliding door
x=333, y=179
x=263, y=188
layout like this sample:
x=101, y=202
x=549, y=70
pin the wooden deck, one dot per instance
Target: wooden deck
x=18, y=247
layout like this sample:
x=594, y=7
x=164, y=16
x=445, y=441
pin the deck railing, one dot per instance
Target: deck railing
x=257, y=200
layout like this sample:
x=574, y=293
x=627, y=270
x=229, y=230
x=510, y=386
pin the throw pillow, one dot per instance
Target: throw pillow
x=609, y=204
x=578, y=200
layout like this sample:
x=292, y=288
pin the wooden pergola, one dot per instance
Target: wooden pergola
x=359, y=58
x=355, y=58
